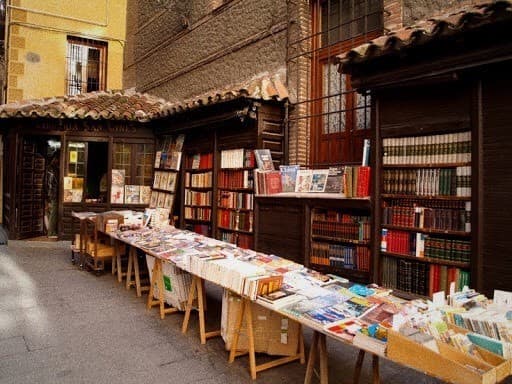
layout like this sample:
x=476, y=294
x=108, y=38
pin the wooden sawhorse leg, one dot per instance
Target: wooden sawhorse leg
x=318, y=347
x=198, y=286
x=359, y=365
x=133, y=267
x=157, y=277
x=246, y=312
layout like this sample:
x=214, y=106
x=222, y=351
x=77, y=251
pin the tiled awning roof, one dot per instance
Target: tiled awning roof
x=129, y=105
x=455, y=23
x=102, y=105
x=261, y=87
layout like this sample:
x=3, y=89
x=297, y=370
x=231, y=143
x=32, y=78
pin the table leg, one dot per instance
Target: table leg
x=312, y=358
x=359, y=366
x=375, y=367
x=137, y=275
x=129, y=269
x=191, y=295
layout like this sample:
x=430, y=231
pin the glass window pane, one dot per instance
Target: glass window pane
x=334, y=100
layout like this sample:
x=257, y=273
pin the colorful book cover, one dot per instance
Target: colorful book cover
x=169, y=199
x=145, y=194
x=303, y=181
x=162, y=183
x=175, y=160
x=171, y=182
x=158, y=157
x=161, y=200
x=264, y=159
x=118, y=176
x=318, y=180
x=132, y=194
x=288, y=177
x=273, y=182
x=154, y=199
x=334, y=183
x=117, y=194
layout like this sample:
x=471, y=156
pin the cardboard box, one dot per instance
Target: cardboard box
x=102, y=219
x=449, y=364
x=273, y=334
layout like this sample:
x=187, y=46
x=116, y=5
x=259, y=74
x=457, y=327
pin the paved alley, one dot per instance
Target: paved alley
x=60, y=324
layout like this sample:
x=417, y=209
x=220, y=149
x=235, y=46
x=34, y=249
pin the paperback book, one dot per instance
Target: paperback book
x=288, y=177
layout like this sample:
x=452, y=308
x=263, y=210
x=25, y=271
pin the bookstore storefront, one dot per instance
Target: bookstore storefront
x=442, y=93
x=62, y=157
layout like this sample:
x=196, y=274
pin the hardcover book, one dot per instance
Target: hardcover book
x=264, y=159
x=145, y=194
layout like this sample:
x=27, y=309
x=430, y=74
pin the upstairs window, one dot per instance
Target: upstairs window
x=86, y=66
x=337, y=117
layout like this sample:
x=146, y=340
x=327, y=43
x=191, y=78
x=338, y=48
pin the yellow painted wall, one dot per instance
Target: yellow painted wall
x=37, y=38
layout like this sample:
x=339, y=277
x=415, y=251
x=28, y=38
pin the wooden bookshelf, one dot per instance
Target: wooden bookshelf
x=198, y=186
x=423, y=209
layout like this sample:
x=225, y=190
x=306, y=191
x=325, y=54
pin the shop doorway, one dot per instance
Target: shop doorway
x=38, y=197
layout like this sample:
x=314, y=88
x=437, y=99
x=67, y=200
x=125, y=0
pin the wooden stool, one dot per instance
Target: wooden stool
x=198, y=286
x=157, y=277
x=246, y=312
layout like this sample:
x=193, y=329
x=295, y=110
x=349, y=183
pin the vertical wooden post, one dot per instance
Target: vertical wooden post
x=190, y=300
x=137, y=274
x=359, y=365
x=129, y=269
x=312, y=359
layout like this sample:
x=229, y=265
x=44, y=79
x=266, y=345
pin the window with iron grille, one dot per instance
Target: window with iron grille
x=86, y=65
x=337, y=118
x=137, y=161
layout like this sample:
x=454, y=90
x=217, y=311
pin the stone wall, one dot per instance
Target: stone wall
x=185, y=48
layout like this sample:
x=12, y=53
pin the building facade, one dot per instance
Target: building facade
x=55, y=48
x=182, y=49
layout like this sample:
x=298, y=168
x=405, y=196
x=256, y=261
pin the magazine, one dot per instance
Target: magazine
x=288, y=177
x=303, y=181
x=318, y=180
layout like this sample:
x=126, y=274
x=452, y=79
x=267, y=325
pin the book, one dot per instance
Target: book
x=145, y=194
x=158, y=157
x=175, y=160
x=162, y=182
x=318, y=180
x=116, y=194
x=303, y=181
x=280, y=297
x=288, y=177
x=132, y=194
x=264, y=159
x=334, y=183
x=366, y=153
x=171, y=182
x=345, y=329
x=153, y=199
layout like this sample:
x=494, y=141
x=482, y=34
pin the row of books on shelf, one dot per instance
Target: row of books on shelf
x=340, y=256
x=198, y=213
x=448, y=219
x=239, y=221
x=350, y=181
x=241, y=240
x=431, y=149
x=161, y=200
x=198, y=180
x=237, y=158
x=236, y=200
x=198, y=198
x=422, y=245
x=199, y=161
x=428, y=181
x=165, y=180
x=358, y=228
x=235, y=179
x=421, y=278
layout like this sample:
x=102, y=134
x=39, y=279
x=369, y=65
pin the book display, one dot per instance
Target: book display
x=340, y=240
x=235, y=190
x=198, y=192
x=425, y=218
x=166, y=173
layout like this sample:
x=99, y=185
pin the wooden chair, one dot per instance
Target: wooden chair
x=98, y=247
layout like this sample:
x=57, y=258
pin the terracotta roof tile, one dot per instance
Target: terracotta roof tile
x=129, y=105
x=471, y=17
